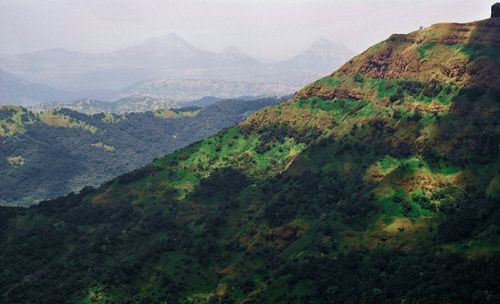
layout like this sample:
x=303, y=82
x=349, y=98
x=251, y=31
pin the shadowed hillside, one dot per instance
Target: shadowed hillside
x=48, y=154
x=377, y=184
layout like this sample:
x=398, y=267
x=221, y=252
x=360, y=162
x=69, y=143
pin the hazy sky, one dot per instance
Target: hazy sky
x=267, y=29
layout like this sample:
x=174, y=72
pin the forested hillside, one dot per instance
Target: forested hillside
x=377, y=184
x=49, y=154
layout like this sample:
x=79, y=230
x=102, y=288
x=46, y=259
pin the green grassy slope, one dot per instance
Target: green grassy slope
x=376, y=184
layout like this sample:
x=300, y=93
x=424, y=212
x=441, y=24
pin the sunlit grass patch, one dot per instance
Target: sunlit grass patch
x=16, y=160
x=60, y=120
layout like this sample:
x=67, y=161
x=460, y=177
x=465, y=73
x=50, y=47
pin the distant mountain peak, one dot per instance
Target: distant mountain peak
x=170, y=40
x=235, y=56
x=322, y=43
x=56, y=51
x=322, y=56
x=170, y=46
x=166, y=39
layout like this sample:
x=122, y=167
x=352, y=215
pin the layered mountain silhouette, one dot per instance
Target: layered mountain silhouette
x=321, y=56
x=376, y=184
x=189, y=89
x=171, y=58
x=129, y=104
x=17, y=91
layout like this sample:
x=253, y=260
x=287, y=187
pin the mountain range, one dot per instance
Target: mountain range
x=17, y=91
x=128, y=104
x=378, y=183
x=50, y=153
x=192, y=89
x=169, y=59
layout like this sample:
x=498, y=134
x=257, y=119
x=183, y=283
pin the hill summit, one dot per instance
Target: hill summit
x=495, y=10
x=379, y=183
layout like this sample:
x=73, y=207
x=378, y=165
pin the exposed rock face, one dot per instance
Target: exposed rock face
x=495, y=10
x=398, y=58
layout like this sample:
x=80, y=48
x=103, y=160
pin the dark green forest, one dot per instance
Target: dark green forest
x=379, y=183
x=53, y=153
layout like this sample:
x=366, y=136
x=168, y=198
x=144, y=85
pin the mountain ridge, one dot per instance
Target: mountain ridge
x=156, y=59
x=16, y=91
x=46, y=154
x=189, y=89
x=321, y=53
x=133, y=103
x=376, y=184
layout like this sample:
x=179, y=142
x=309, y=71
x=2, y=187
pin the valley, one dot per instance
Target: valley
x=54, y=152
x=378, y=183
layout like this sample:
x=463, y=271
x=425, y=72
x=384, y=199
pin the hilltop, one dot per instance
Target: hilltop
x=379, y=183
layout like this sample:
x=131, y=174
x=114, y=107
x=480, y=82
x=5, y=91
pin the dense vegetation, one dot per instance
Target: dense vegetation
x=377, y=184
x=49, y=154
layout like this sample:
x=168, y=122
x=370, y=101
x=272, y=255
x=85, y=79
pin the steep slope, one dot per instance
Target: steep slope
x=49, y=154
x=377, y=184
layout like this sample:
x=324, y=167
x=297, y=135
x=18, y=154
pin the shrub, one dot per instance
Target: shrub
x=359, y=78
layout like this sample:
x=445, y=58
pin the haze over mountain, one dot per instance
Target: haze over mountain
x=268, y=30
x=128, y=104
x=175, y=62
x=379, y=183
x=17, y=91
x=319, y=57
x=189, y=89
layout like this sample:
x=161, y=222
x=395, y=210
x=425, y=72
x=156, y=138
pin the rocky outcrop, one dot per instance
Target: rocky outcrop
x=441, y=52
x=495, y=10
x=328, y=93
